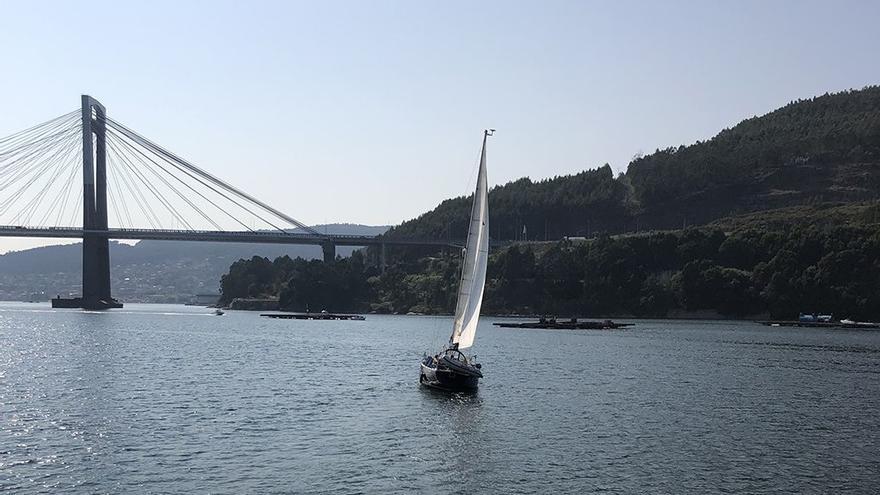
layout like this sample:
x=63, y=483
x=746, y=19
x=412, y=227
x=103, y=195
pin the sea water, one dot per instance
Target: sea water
x=172, y=399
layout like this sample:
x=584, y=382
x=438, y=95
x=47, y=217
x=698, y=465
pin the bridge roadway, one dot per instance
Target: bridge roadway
x=267, y=237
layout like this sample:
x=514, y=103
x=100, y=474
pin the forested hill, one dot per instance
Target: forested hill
x=825, y=149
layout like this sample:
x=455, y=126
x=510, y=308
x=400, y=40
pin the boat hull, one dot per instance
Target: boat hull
x=447, y=379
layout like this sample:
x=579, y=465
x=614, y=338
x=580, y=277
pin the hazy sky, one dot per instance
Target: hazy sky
x=372, y=111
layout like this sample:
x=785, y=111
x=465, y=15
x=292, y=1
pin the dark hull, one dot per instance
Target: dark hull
x=567, y=325
x=78, y=302
x=445, y=375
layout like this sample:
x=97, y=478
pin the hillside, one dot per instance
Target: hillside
x=750, y=271
x=782, y=210
x=149, y=270
x=824, y=149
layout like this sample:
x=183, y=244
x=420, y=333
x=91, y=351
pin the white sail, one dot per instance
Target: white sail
x=473, y=272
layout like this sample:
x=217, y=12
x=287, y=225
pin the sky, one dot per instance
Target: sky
x=372, y=112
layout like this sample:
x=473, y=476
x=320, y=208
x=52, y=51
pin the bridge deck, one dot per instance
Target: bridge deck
x=218, y=236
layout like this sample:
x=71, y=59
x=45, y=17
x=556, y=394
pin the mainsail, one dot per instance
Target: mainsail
x=476, y=254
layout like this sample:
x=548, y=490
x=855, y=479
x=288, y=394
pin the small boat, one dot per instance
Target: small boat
x=219, y=312
x=451, y=369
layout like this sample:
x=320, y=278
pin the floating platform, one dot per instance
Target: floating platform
x=572, y=324
x=819, y=324
x=312, y=316
x=78, y=302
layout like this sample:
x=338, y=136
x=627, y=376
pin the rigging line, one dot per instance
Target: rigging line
x=21, y=161
x=195, y=191
x=134, y=192
x=29, y=129
x=70, y=163
x=50, y=164
x=112, y=172
x=187, y=200
x=161, y=197
x=48, y=133
x=129, y=179
x=211, y=178
x=42, y=164
x=151, y=188
x=220, y=193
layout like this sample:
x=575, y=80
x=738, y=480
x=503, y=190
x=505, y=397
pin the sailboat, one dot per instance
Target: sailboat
x=451, y=369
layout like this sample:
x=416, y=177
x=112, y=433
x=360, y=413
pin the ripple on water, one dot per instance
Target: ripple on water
x=158, y=399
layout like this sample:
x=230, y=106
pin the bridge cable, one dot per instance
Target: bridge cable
x=68, y=169
x=191, y=204
x=220, y=208
x=20, y=165
x=131, y=164
x=71, y=180
x=134, y=192
x=165, y=181
x=113, y=173
x=77, y=206
x=30, y=207
x=125, y=160
x=35, y=170
x=223, y=195
x=176, y=159
x=22, y=151
x=38, y=126
x=58, y=129
x=132, y=151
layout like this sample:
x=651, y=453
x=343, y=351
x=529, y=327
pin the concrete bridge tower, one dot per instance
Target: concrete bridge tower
x=96, y=244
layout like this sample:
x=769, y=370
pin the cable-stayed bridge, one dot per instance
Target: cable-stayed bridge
x=132, y=188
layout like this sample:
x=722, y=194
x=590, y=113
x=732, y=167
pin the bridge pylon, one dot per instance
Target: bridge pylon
x=96, y=243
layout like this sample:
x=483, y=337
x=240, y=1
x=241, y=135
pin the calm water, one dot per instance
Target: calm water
x=159, y=399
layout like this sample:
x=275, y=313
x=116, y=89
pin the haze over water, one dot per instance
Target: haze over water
x=156, y=399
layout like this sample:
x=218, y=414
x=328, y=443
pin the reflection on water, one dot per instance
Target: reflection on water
x=164, y=399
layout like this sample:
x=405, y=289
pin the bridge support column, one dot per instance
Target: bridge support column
x=329, y=249
x=382, y=260
x=96, y=245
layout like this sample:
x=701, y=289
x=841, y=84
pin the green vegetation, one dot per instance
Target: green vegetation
x=821, y=150
x=788, y=204
x=741, y=273
x=576, y=205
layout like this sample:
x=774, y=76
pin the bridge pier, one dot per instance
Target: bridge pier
x=329, y=249
x=382, y=260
